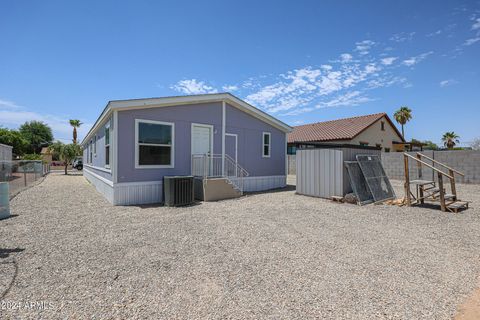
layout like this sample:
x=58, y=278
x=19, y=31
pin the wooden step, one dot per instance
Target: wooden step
x=422, y=182
x=457, y=205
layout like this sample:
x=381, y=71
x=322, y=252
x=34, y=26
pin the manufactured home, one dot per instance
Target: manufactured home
x=228, y=145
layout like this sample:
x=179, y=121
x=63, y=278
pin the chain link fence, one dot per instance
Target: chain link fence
x=16, y=176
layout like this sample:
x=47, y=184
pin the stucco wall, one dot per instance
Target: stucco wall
x=374, y=135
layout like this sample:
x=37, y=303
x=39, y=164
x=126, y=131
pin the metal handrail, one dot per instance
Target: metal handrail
x=441, y=164
x=239, y=166
x=213, y=165
x=426, y=164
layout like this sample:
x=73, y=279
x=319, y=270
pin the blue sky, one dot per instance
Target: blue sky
x=301, y=61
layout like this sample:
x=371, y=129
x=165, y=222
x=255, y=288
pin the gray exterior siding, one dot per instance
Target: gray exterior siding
x=250, y=134
x=248, y=129
x=182, y=117
x=97, y=165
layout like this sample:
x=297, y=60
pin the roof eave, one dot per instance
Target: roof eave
x=185, y=100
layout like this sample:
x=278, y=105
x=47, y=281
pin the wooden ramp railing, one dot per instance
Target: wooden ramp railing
x=427, y=189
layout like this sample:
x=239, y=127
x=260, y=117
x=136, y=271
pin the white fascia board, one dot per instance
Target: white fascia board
x=185, y=100
x=132, y=104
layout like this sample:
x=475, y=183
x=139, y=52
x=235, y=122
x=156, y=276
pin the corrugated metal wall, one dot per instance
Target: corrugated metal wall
x=5, y=152
x=320, y=172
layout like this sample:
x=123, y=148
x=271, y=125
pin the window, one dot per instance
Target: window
x=363, y=144
x=154, y=144
x=291, y=150
x=266, y=145
x=387, y=149
x=91, y=152
x=95, y=145
x=382, y=124
x=107, y=147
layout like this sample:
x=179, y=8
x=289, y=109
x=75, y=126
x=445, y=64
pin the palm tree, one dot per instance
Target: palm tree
x=75, y=124
x=402, y=116
x=450, y=139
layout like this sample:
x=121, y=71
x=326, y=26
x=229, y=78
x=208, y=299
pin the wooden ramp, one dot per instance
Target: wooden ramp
x=432, y=191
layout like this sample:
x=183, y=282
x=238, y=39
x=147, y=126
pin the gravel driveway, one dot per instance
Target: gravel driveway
x=273, y=255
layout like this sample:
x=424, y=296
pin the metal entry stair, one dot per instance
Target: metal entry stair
x=221, y=176
x=433, y=191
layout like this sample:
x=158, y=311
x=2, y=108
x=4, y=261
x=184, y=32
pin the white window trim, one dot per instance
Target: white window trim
x=109, y=145
x=236, y=144
x=269, y=144
x=137, y=149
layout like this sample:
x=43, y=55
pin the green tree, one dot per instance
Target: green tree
x=15, y=139
x=32, y=156
x=429, y=145
x=75, y=124
x=402, y=116
x=450, y=139
x=66, y=152
x=37, y=134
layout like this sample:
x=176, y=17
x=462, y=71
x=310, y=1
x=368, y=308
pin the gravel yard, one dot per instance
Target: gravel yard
x=271, y=255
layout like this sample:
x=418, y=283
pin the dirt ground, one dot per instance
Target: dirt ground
x=271, y=255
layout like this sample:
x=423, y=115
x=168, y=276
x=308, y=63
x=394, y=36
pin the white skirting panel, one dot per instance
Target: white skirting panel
x=133, y=193
x=252, y=184
x=138, y=193
x=104, y=186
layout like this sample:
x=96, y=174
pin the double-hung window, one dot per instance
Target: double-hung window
x=95, y=145
x=266, y=145
x=107, y=146
x=91, y=152
x=154, y=144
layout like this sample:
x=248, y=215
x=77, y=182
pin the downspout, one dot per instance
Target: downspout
x=223, y=136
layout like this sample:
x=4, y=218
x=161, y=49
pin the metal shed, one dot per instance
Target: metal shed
x=321, y=171
x=5, y=152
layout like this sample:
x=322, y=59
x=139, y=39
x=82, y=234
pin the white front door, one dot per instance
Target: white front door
x=202, y=144
x=201, y=139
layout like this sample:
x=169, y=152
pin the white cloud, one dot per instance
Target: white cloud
x=353, y=98
x=230, y=88
x=346, y=57
x=446, y=83
x=299, y=88
x=193, y=86
x=416, y=59
x=388, y=61
x=13, y=116
x=402, y=36
x=8, y=104
x=349, y=99
x=363, y=47
x=298, y=122
x=476, y=24
x=471, y=41
x=436, y=33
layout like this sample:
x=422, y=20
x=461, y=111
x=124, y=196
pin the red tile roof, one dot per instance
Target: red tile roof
x=341, y=129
